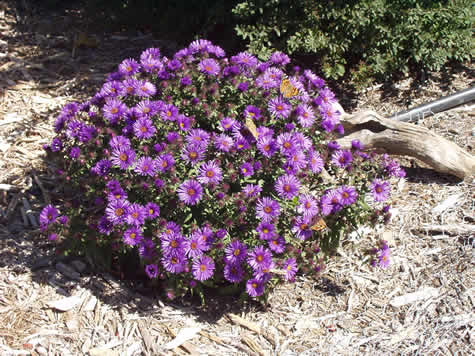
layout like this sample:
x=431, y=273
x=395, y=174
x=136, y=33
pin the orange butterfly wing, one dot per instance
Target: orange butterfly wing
x=319, y=224
x=287, y=89
x=252, y=127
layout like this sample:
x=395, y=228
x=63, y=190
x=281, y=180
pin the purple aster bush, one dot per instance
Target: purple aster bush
x=202, y=169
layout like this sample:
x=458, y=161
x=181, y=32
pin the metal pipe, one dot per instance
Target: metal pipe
x=442, y=104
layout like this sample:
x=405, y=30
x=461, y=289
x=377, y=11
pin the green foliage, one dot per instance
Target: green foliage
x=372, y=39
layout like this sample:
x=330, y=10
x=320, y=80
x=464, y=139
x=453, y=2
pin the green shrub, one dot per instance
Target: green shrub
x=370, y=38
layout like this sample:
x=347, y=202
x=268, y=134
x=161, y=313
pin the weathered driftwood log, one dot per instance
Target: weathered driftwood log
x=401, y=138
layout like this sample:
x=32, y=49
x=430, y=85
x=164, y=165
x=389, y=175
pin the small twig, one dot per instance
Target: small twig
x=452, y=229
x=46, y=197
x=252, y=344
x=186, y=345
x=29, y=213
x=251, y=326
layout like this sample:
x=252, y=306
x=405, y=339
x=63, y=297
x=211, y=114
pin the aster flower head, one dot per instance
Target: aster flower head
x=190, y=192
x=356, y=145
x=174, y=263
x=301, y=228
x=165, y=162
x=203, y=268
x=144, y=89
x=193, y=153
x=279, y=58
x=172, y=244
x=151, y=270
x=267, y=146
x=129, y=67
x=348, y=195
x=209, y=66
x=380, y=189
x=279, y=108
x=260, y=259
x=119, y=141
x=112, y=89
x=169, y=112
x=223, y=143
x=266, y=230
x=245, y=60
x=114, y=110
x=246, y=169
x=287, y=186
x=342, y=158
x=235, y=252
x=183, y=122
x=308, y=205
x=136, y=215
x=132, y=236
x=210, y=172
x=252, y=112
x=145, y=166
x=48, y=215
x=315, y=162
x=198, y=137
x=290, y=268
x=227, y=123
x=305, y=115
x=117, y=211
x=124, y=157
x=152, y=210
x=105, y=226
x=267, y=209
x=195, y=246
x=276, y=244
x=251, y=190
x=75, y=152
x=102, y=167
x=255, y=287
x=233, y=272
x=287, y=143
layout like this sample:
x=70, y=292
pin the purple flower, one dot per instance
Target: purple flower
x=203, y=268
x=380, y=189
x=165, y=162
x=199, y=137
x=174, y=264
x=114, y=110
x=341, y=158
x=266, y=230
x=297, y=159
x=305, y=115
x=333, y=145
x=75, y=152
x=119, y=142
x=287, y=186
x=112, y=89
x=169, y=112
x=132, y=236
x=308, y=206
x=129, y=67
x=190, y=192
x=105, y=226
x=287, y=143
x=147, y=108
x=209, y=66
x=301, y=228
x=116, y=211
x=277, y=244
x=183, y=122
x=210, y=172
x=145, y=89
x=326, y=96
x=227, y=123
x=267, y=209
x=194, y=246
x=123, y=157
x=245, y=60
x=185, y=81
x=233, y=272
x=223, y=143
x=348, y=195
x=241, y=144
x=151, y=271
x=267, y=146
x=356, y=144
x=315, y=162
x=243, y=86
x=136, y=215
x=53, y=237
x=152, y=210
x=56, y=145
x=251, y=190
x=144, y=128
x=290, y=268
x=193, y=153
x=246, y=169
x=102, y=167
x=252, y=112
x=173, y=244
x=260, y=259
x=48, y=215
x=384, y=258
x=279, y=108
x=235, y=252
x=255, y=287
x=145, y=166
x=279, y=58
x=206, y=235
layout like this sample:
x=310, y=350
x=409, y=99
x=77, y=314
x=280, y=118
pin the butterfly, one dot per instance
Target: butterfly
x=287, y=89
x=251, y=126
x=318, y=224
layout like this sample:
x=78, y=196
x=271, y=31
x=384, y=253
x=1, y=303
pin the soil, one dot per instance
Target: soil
x=422, y=303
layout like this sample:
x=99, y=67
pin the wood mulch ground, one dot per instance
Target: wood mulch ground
x=422, y=304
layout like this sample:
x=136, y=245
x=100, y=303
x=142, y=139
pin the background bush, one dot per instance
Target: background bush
x=369, y=38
